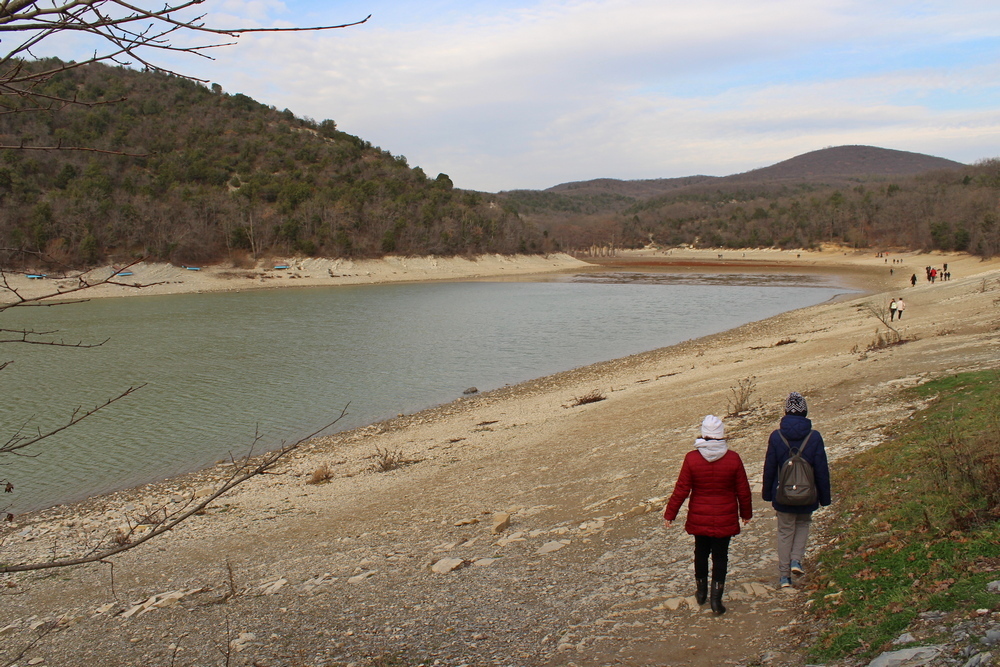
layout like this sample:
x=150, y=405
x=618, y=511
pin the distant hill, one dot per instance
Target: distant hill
x=847, y=162
x=828, y=165
x=860, y=196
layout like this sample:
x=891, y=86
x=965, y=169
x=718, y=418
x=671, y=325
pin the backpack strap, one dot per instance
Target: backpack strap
x=802, y=445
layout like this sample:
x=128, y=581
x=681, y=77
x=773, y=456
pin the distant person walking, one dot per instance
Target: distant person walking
x=892, y=310
x=900, y=307
x=794, y=431
x=913, y=280
x=716, y=481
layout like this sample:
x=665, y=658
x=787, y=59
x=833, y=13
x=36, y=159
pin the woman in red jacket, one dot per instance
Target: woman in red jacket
x=715, y=479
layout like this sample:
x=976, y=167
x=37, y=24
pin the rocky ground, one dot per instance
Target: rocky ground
x=522, y=529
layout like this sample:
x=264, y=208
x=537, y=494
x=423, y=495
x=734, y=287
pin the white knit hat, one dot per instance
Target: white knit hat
x=713, y=428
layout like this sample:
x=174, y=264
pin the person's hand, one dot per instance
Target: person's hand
x=667, y=523
x=746, y=522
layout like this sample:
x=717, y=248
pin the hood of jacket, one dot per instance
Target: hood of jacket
x=712, y=450
x=795, y=427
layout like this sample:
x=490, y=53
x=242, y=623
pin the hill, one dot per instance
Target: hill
x=850, y=162
x=197, y=175
x=861, y=196
x=828, y=165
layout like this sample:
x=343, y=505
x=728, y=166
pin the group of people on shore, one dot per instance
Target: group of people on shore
x=714, y=479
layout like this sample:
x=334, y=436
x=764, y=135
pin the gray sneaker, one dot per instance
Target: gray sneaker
x=797, y=568
x=785, y=582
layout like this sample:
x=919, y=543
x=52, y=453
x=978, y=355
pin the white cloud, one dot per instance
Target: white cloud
x=530, y=95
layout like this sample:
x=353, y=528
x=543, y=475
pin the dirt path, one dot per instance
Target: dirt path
x=286, y=573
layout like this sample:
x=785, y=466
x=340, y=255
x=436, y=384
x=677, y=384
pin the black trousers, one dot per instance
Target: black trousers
x=718, y=548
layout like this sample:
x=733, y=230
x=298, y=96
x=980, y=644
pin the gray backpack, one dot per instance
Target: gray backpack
x=796, y=479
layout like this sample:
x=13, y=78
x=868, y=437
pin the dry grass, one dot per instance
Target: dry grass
x=742, y=396
x=591, y=397
x=384, y=460
x=321, y=474
x=884, y=339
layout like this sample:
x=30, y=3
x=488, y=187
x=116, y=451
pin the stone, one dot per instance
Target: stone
x=992, y=637
x=241, y=642
x=273, y=587
x=978, y=660
x=358, y=578
x=908, y=657
x=501, y=522
x=446, y=565
x=638, y=510
x=484, y=562
x=549, y=547
x=673, y=604
x=467, y=522
x=904, y=638
x=993, y=586
x=471, y=390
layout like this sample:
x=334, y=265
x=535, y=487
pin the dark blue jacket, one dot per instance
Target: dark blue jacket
x=795, y=428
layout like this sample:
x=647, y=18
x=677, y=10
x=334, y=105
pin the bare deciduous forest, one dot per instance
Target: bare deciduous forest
x=197, y=175
x=202, y=176
x=856, y=201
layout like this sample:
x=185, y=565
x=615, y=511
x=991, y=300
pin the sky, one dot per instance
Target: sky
x=512, y=94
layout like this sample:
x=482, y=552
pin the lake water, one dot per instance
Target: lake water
x=219, y=368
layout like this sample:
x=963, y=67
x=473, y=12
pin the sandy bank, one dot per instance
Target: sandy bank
x=160, y=278
x=861, y=269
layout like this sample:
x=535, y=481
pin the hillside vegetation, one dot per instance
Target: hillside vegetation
x=203, y=175
x=859, y=196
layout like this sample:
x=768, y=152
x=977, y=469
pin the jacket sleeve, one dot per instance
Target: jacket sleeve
x=771, y=464
x=743, y=494
x=681, y=490
x=821, y=470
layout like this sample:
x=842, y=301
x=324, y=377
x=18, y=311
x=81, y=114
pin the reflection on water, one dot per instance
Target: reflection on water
x=219, y=367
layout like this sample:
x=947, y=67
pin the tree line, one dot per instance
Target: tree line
x=944, y=210
x=191, y=174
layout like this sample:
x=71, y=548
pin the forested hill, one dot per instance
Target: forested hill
x=861, y=196
x=202, y=175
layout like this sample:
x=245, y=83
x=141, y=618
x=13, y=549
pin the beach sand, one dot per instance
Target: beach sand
x=282, y=572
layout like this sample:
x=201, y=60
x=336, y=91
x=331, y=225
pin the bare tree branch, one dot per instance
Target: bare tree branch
x=19, y=441
x=245, y=469
x=128, y=33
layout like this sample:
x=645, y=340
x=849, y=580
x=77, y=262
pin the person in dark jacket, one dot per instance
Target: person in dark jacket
x=714, y=477
x=794, y=521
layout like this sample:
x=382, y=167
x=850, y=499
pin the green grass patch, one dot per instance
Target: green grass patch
x=918, y=521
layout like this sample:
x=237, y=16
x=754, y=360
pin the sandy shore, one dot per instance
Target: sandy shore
x=341, y=572
x=859, y=269
x=149, y=279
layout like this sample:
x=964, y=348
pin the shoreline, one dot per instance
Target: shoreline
x=857, y=272
x=585, y=567
x=861, y=269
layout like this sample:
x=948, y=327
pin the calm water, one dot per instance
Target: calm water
x=219, y=367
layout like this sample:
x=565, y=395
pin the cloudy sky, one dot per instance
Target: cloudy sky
x=528, y=94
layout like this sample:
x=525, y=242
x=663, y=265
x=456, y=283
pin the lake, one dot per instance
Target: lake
x=218, y=368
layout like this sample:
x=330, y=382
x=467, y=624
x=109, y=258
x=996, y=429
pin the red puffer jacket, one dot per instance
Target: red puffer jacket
x=720, y=495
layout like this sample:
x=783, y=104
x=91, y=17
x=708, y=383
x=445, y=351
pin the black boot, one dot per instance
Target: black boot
x=716, y=598
x=701, y=589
